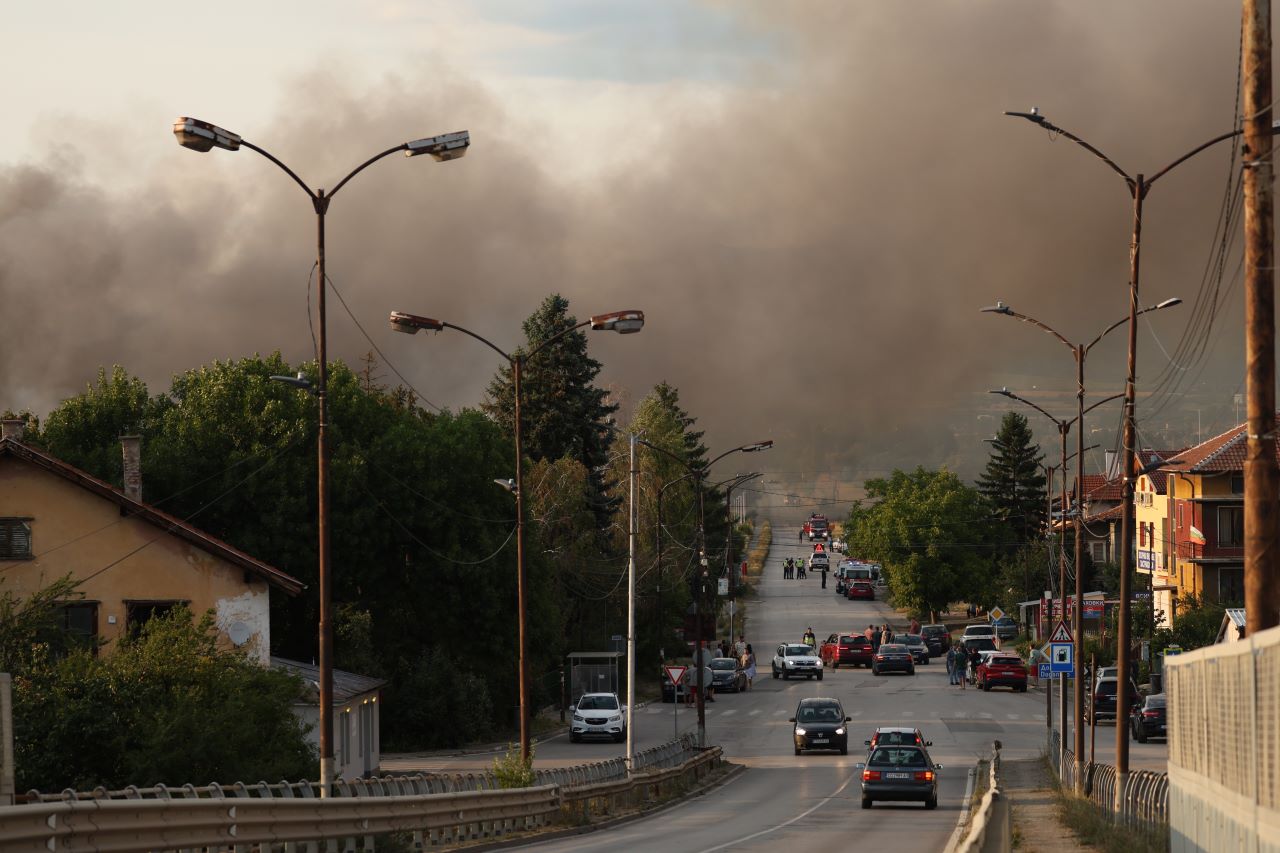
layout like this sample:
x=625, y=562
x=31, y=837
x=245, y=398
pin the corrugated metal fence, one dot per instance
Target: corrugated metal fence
x=1224, y=746
x=1144, y=802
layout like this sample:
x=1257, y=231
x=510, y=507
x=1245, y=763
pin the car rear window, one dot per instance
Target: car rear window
x=854, y=641
x=897, y=757
x=1005, y=661
x=1155, y=701
x=1106, y=688
x=892, y=647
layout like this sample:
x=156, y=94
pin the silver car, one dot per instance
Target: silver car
x=797, y=660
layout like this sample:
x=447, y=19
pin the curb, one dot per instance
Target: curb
x=733, y=772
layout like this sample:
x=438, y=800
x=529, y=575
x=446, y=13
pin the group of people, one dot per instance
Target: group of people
x=741, y=650
x=794, y=567
x=962, y=664
x=878, y=636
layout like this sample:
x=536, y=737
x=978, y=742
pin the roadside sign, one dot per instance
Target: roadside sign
x=722, y=586
x=1061, y=633
x=1062, y=658
x=995, y=613
x=676, y=674
x=1046, y=671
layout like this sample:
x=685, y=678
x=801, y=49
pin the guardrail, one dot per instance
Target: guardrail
x=1143, y=803
x=236, y=817
x=991, y=820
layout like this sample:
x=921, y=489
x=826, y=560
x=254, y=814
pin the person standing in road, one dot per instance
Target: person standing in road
x=915, y=626
x=740, y=647
x=875, y=638
x=749, y=665
x=824, y=576
x=886, y=636
x=801, y=539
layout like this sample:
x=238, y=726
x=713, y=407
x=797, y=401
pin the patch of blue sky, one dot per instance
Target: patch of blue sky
x=633, y=41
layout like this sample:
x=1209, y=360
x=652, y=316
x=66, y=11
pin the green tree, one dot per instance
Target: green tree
x=932, y=534
x=168, y=705
x=27, y=623
x=1013, y=482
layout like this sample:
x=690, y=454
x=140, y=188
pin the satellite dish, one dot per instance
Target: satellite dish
x=239, y=633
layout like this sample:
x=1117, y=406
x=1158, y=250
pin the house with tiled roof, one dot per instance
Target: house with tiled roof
x=1152, y=539
x=1205, y=486
x=132, y=560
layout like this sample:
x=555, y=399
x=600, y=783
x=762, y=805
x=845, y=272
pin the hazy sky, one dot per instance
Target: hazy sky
x=810, y=200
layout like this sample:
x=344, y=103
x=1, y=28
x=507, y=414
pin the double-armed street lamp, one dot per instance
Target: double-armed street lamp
x=1079, y=352
x=699, y=473
x=202, y=136
x=1260, y=346
x=622, y=322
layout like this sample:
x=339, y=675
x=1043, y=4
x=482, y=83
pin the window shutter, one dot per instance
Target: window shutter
x=15, y=539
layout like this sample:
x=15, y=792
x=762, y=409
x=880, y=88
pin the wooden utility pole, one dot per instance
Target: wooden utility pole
x=1262, y=479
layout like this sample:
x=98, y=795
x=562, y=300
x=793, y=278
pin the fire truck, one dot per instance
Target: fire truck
x=817, y=528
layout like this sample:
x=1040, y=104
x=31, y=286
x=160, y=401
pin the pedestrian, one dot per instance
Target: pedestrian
x=801, y=538
x=802, y=575
x=951, y=666
x=974, y=659
x=886, y=636
x=749, y=665
x=962, y=664
x=824, y=576
x=875, y=639
x=740, y=647
x=915, y=625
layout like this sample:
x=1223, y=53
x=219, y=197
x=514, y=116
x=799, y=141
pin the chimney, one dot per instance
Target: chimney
x=131, y=446
x=13, y=428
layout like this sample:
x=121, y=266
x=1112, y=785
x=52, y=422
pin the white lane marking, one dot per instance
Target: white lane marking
x=787, y=823
x=908, y=713
x=753, y=713
x=957, y=834
x=1038, y=717
x=856, y=714
x=1014, y=716
x=728, y=712
x=984, y=715
x=779, y=713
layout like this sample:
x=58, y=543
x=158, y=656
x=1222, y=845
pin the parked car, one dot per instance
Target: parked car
x=896, y=736
x=847, y=649
x=916, y=645
x=598, y=715
x=1102, y=704
x=899, y=773
x=982, y=644
x=1006, y=628
x=820, y=724
x=860, y=590
x=819, y=560
x=727, y=674
x=839, y=546
x=1002, y=670
x=893, y=657
x=796, y=659
x=937, y=638
x=670, y=693
x=976, y=631
x=1149, y=719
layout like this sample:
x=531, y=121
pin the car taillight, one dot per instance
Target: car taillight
x=870, y=775
x=1150, y=713
x=924, y=776
x=879, y=657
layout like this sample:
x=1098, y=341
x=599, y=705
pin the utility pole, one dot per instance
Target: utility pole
x=1262, y=480
x=631, y=610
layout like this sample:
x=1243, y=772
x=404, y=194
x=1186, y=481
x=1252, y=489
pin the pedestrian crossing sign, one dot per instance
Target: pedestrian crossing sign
x=1061, y=633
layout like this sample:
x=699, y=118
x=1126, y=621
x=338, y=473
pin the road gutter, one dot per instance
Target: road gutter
x=957, y=834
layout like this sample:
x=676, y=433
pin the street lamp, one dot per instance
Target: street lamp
x=731, y=484
x=1261, y=387
x=622, y=322
x=203, y=136
x=1080, y=352
x=699, y=475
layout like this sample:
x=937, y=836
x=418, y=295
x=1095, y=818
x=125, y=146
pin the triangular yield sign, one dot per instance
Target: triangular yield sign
x=1061, y=633
x=675, y=673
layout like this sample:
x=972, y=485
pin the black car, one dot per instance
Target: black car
x=820, y=724
x=1149, y=719
x=893, y=657
x=1102, y=704
x=916, y=645
x=937, y=638
x=727, y=674
x=900, y=773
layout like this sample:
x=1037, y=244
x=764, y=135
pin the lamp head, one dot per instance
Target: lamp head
x=1033, y=116
x=508, y=484
x=1169, y=303
x=299, y=381
x=1003, y=392
x=411, y=323
x=622, y=322
x=758, y=446
x=202, y=136
x=998, y=308
x=445, y=147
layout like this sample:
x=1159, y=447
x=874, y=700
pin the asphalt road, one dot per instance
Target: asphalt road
x=811, y=802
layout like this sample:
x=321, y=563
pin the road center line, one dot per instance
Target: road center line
x=786, y=823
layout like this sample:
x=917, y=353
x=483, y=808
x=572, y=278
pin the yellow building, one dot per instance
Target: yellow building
x=1154, y=547
x=132, y=560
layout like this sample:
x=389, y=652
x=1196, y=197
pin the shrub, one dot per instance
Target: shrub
x=513, y=772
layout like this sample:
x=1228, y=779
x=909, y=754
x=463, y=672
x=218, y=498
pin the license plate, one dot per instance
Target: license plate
x=597, y=728
x=820, y=740
x=897, y=775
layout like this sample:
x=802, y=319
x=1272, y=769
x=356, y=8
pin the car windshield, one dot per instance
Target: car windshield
x=934, y=631
x=913, y=640
x=598, y=703
x=897, y=757
x=798, y=649
x=978, y=631
x=819, y=714
x=724, y=663
x=1005, y=620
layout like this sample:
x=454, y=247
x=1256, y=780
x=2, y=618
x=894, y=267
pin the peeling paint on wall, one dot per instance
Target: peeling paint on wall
x=246, y=621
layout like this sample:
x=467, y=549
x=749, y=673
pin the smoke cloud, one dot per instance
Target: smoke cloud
x=811, y=245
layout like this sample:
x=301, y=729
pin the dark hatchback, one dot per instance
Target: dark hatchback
x=820, y=724
x=917, y=646
x=893, y=657
x=900, y=773
x=1102, y=704
x=727, y=674
x=937, y=638
x=1149, y=719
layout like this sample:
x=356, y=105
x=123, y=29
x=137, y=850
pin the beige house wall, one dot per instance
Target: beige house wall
x=121, y=559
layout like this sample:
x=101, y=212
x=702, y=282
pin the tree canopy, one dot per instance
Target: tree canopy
x=1013, y=482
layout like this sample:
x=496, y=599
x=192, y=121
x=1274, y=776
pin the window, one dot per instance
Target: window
x=1237, y=484
x=1231, y=526
x=139, y=613
x=1230, y=586
x=15, y=538
x=75, y=627
x=1098, y=550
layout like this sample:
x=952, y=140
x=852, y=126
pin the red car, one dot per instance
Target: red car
x=1002, y=670
x=860, y=589
x=847, y=649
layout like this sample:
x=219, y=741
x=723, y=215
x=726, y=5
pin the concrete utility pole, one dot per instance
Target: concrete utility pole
x=1261, y=478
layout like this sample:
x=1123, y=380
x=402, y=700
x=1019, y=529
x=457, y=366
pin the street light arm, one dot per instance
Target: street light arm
x=1036, y=118
x=1005, y=392
x=1001, y=308
x=1168, y=303
x=490, y=344
x=1193, y=152
x=693, y=472
x=366, y=164
x=557, y=336
x=274, y=159
x=1112, y=398
x=679, y=479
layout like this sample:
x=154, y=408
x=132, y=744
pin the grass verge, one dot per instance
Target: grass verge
x=1094, y=827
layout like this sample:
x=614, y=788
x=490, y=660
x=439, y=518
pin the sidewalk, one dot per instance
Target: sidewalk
x=1029, y=789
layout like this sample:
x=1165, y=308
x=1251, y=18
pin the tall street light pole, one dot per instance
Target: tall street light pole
x=699, y=587
x=1139, y=186
x=202, y=136
x=730, y=485
x=657, y=540
x=1064, y=426
x=1079, y=352
x=623, y=322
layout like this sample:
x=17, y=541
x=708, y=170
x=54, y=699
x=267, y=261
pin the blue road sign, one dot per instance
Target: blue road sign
x=1046, y=671
x=1062, y=658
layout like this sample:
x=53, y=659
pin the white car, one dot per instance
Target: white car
x=975, y=631
x=797, y=659
x=598, y=715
